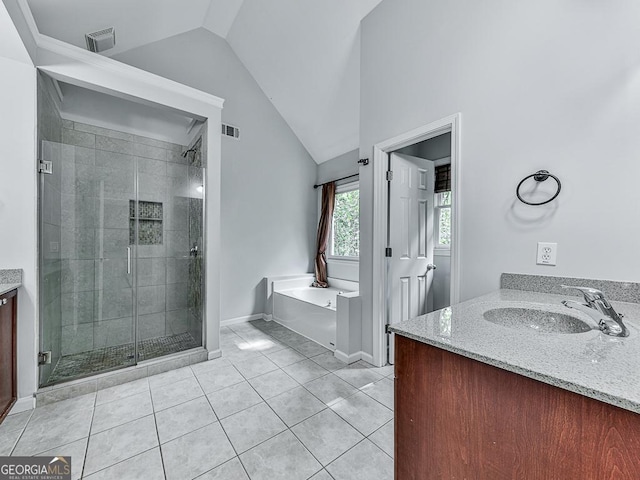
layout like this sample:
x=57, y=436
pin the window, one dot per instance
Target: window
x=345, y=230
x=443, y=220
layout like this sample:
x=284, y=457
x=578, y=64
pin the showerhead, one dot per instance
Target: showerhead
x=191, y=150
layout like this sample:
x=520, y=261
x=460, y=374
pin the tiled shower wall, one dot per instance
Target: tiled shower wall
x=97, y=187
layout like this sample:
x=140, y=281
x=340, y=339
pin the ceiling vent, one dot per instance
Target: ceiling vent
x=230, y=131
x=101, y=40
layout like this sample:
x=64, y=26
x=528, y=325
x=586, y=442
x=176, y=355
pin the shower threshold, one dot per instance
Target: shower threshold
x=78, y=365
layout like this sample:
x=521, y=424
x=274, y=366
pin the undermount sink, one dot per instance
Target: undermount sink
x=539, y=320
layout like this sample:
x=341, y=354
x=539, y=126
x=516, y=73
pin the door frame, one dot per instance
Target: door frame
x=381, y=150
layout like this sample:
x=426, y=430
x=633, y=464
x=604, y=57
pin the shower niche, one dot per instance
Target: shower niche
x=147, y=217
x=117, y=220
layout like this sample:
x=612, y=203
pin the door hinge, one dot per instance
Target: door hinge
x=386, y=329
x=45, y=167
x=388, y=252
x=44, y=358
x=389, y=175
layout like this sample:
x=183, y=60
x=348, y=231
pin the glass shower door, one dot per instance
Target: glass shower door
x=169, y=316
x=121, y=256
x=86, y=280
x=115, y=289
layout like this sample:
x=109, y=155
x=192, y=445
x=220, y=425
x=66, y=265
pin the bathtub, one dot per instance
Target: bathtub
x=309, y=311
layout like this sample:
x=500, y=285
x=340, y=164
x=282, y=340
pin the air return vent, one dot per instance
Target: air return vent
x=101, y=40
x=230, y=131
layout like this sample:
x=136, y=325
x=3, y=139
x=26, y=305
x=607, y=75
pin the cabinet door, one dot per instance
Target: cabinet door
x=7, y=352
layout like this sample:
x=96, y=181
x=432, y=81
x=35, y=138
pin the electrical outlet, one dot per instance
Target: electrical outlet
x=547, y=253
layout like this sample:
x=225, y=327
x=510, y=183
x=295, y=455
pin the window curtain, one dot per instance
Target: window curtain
x=324, y=229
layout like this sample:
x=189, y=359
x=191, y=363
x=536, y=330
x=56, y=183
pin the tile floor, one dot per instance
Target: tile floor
x=275, y=406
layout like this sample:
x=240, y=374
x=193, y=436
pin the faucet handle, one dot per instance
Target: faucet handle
x=590, y=294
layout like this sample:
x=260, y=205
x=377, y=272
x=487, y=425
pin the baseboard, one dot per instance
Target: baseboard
x=365, y=357
x=236, y=320
x=349, y=359
x=214, y=354
x=23, y=404
x=354, y=357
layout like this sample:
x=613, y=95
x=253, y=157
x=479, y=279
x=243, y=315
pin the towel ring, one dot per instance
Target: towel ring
x=539, y=176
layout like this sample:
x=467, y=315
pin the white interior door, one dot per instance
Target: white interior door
x=410, y=238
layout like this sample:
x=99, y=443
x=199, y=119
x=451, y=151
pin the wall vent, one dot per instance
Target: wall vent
x=101, y=40
x=230, y=131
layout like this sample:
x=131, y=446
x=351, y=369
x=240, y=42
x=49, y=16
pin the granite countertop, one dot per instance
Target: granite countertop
x=10, y=280
x=7, y=287
x=589, y=363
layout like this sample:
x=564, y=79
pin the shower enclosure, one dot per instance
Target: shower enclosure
x=120, y=246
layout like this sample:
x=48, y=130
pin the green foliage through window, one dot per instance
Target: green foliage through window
x=444, y=228
x=346, y=224
x=443, y=218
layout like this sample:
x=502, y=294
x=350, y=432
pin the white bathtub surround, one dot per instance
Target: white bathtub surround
x=311, y=311
x=308, y=311
x=349, y=328
x=285, y=282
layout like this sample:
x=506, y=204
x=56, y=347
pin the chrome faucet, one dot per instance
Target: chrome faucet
x=598, y=307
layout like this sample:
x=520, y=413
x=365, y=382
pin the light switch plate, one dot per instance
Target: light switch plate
x=547, y=253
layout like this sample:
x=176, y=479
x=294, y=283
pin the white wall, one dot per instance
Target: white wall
x=18, y=190
x=544, y=84
x=268, y=200
x=341, y=166
x=15, y=43
x=441, y=281
x=101, y=110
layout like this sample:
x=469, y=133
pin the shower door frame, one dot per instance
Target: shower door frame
x=87, y=70
x=132, y=258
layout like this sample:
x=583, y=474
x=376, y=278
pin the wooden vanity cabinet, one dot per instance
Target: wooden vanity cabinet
x=8, y=351
x=457, y=418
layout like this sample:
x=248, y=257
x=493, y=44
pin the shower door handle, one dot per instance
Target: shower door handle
x=128, y=260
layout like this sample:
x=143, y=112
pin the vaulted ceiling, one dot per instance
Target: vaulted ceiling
x=305, y=55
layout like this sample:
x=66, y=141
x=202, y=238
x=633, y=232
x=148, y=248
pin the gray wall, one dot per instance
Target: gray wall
x=268, y=203
x=536, y=89
x=339, y=167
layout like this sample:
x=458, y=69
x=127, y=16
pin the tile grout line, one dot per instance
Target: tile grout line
x=288, y=427
x=264, y=400
x=225, y=434
x=118, y=463
x=155, y=422
x=365, y=437
x=377, y=430
x=24, y=429
x=86, y=450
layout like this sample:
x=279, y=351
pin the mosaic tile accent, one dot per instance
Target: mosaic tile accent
x=149, y=223
x=97, y=361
